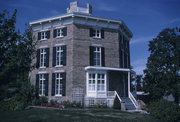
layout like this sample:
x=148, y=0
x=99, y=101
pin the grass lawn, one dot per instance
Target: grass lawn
x=73, y=115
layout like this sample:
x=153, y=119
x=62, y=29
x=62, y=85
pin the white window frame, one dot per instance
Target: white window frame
x=43, y=35
x=91, y=82
x=43, y=57
x=101, y=85
x=59, y=56
x=97, y=61
x=97, y=33
x=59, y=32
x=58, y=84
x=42, y=84
x=95, y=93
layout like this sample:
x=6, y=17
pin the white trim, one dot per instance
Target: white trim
x=43, y=47
x=44, y=30
x=42, y=72
x=59, y=71
x=59, y=27
x=106, y=68
x=61, y=44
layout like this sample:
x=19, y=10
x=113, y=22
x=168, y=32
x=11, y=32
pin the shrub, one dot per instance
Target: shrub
x=41, y=100
x=117, y=103
x=14, y=103
x=165, y=110
x=53, y=102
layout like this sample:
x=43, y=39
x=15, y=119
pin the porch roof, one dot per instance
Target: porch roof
x=107, y=68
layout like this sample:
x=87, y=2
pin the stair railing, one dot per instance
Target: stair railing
x=133, y=100
x=116, y=94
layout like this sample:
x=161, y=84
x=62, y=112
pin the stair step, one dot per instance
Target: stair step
x=128, y=103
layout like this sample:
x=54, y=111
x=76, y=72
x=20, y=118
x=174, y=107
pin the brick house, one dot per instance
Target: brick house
x=82, y=58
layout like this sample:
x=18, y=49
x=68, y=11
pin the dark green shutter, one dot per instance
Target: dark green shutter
x=53, y=85
x=39, y=35
x=55, y=33
x=38, y=58
x=47, y=57
x=54, y=56
x=102, y=33
x=48, y=34
x=103, y=56
x=64, y=55
x=64, y=31
x=91, y=55
x=46, y=84
x=91, y=32
x=37, y=81
x=64, y=84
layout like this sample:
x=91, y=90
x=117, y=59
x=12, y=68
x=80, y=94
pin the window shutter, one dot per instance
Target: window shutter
x=48, y=34
x=91, y=32
x=37, y=81
x=38, y=58
x=46, y=84
x=64, y=84
x=55, y=33
x=102, y=34
x=64, y=55
x=39, y=35
x=53, y=85
x=47, y=57
x=64, y=31
x=91, y=57
x=102, y=56
x=54, y=56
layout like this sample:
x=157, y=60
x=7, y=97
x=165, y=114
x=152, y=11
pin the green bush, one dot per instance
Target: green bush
x=117, y=103
x=165, y=111
x=41, y=100
x=14, y=103
x=68, y=104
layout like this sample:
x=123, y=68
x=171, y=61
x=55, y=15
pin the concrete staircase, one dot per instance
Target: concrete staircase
x=128, y=103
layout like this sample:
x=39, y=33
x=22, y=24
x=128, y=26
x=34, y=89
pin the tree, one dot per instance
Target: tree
x=139, y=83
x=16, y=54
x=161, y=77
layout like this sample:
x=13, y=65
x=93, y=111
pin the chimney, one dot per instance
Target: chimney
x=74, y=8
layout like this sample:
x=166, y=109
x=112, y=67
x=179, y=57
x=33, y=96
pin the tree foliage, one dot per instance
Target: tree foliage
x=16, y=54
x=139, y=83
x=161, y=77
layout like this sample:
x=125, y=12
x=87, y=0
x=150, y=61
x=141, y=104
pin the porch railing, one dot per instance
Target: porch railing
x=133, y=100
x=113, y=94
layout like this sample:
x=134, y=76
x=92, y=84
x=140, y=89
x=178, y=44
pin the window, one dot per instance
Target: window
x=42, y=57
x=42, y=85
x=97, y=57
x=96, y=33
x=43, y=35
x=59, y=56
x=91, y=82
x=96, y=81
x=60, y=32
x=58, y=84
x=100, y=82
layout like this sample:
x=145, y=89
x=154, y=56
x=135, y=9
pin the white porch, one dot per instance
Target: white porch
x=97, y=86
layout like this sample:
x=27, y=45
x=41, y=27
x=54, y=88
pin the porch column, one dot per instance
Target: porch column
x=129, y=83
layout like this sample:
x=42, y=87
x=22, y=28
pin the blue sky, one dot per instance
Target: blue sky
x=145, y=18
